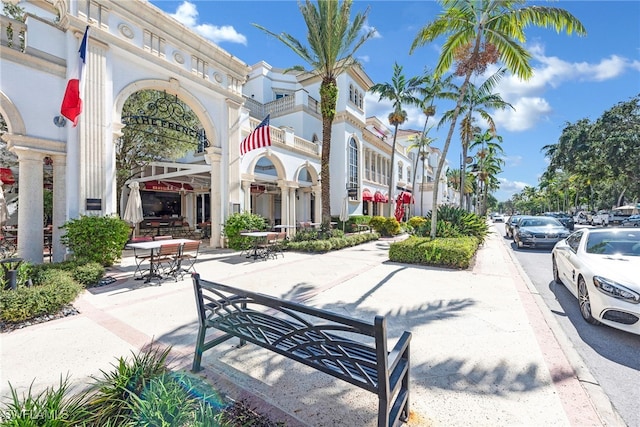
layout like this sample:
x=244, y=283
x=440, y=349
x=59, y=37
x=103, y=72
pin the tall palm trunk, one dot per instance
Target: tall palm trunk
x=445, y=149
x=328, y=101
x=393, y=155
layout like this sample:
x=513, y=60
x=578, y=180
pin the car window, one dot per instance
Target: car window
x=614, y=242
x=574, y=240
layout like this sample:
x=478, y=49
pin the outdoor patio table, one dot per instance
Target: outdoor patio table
x=153, y=247
x=257, y=237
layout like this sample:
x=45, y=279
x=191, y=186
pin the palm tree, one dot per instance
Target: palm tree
x=333, y=40
x=431, y=89
x=488, y=165
x=477, y=100
x=400, y=92
x=422, y=144
x=481, y=32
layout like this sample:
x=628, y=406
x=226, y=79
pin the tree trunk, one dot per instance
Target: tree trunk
x=393, y=155
x=328, y=98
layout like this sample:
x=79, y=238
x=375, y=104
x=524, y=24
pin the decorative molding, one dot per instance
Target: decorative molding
x=218, y=77
x=126, y=31
x=178, y=57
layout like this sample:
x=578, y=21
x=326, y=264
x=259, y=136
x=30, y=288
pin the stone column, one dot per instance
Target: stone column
x=292, y=210
x=59, y=205
x=214, y=154
x=30, y=206
x=284, y=203
x=246, y=189
x=318, y=204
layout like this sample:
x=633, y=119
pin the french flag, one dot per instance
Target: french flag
x=72, y=102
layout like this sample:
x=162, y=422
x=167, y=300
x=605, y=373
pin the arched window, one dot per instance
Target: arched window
x=360, y=103
x=352, y=179
x=351, y=95
x=399, y=171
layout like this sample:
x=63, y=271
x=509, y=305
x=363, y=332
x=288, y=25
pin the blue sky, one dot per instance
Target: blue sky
x=574, y=77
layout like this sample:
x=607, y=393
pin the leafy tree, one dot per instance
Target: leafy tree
x=482, y=32
x=400, y=92
x=142, y=143
x=488, y=166
x=333, y=40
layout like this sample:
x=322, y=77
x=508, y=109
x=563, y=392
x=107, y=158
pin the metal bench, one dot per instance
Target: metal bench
x=348, y=349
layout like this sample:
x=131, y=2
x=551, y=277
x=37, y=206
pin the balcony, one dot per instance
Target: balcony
x=283, y=106
x=285, y=138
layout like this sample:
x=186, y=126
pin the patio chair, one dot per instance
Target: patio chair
x=185, y=262
x=165, y=261
x=140, y=256
x=277, y=243
x=162, y=237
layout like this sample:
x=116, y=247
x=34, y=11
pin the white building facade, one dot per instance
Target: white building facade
x=134, y=46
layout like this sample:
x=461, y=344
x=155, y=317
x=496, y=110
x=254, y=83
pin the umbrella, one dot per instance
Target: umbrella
x=344, y=212
x=4, y=213
x=133, y=212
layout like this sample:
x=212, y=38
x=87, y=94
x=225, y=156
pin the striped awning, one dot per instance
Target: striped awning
x=379, y=197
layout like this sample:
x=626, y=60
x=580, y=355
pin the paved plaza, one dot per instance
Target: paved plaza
x=483, y=352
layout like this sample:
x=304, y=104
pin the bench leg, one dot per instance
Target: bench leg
x=197, y=356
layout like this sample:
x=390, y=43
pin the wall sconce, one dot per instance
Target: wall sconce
x=59, y=121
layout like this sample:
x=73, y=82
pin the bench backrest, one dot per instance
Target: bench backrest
x=350, y=349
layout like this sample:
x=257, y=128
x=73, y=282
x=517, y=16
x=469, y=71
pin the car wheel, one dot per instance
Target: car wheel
x=556, y=276
x=585, y=302
x=519, y=243
x=636, y=224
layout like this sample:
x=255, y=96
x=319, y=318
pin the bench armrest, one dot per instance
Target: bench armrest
x=396, y=354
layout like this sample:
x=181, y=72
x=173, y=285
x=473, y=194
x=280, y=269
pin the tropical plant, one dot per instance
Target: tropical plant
x=456, y=222
x=333, y=39
x=400, y=92
x=482, y=32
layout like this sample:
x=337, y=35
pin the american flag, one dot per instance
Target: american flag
x=259, y=137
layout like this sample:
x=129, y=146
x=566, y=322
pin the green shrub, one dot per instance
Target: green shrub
x=57, y=290
x=387, y=227
x=350, y=225
x=332, y=243
x=242, y=221
x=24, y=274
x=417, y=221
x=96, y=238
x=88, y=274
x=445, y=252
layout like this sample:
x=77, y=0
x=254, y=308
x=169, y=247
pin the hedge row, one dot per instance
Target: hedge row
x=445, y=252
x=332, y=243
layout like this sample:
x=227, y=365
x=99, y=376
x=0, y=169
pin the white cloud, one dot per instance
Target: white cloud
x=511, y=187
x=550, y=72
x=381, y=109
x=364, y=58
x=187, y=14
x=512, y=161
x=526, y=114
x=366, y=28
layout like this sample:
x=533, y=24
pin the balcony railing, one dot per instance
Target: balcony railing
x=280, y=107
x=12, y=33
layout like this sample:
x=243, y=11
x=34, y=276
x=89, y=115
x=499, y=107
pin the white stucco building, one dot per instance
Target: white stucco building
x=134, y=46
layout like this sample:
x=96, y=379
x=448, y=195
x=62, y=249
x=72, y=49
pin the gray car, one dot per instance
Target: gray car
x=539, y=231
x=633, y=220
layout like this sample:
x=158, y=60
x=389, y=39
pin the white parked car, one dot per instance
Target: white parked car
x=497, y=217
x=600, y=266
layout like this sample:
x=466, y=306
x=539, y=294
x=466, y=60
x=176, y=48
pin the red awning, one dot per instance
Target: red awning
x=405, y=197
x=366, y=196
x=6, y=176
x=379, y=197
x=164, y=186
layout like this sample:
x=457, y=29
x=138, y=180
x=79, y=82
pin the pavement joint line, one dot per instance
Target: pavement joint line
x=600, y=403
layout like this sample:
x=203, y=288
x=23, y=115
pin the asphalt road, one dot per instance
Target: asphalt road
x=612, y=356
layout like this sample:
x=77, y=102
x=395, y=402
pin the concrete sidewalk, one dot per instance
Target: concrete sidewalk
x=482, y=353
